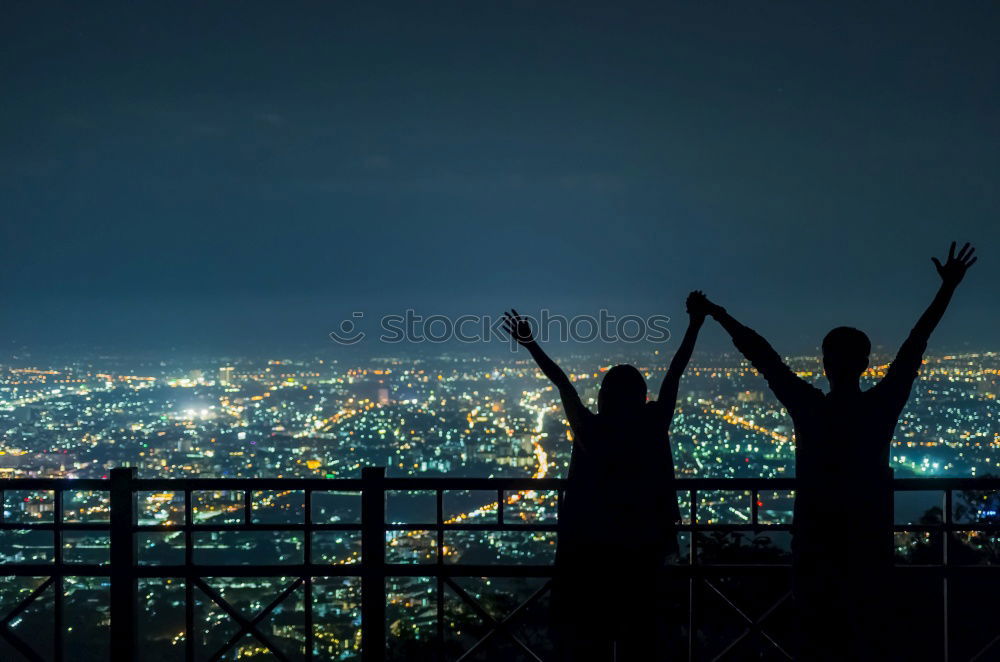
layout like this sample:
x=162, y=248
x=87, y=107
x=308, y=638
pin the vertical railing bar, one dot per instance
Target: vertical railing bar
x=693, y=515
x=247, y=507
x=692, y=580
x=500, y=505
x=439, y=520
x=373, y=564
x=307, y=517
x=439, y=607
x=188, y=520
x=754, y=507
x=189, y=633
x=123, y=571
x=57, y=514
x=59, y=644
x=945, y=610
x=691, y=619
x=189, y=619
x=946, y=561
x=308, y=607
x=58, y=585
x=307, y=580
x=948, y=525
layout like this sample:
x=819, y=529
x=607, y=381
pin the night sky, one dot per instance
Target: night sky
x=223, y=174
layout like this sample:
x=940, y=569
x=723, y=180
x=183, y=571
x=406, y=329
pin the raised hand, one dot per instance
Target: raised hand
x=697, y=304
x=953, y=270
x=518, y=327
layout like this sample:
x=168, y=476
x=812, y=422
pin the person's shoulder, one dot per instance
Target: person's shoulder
x=585, y=425
x=889, y=389
x=584, y=415
x=804, y=394
x=654, y=412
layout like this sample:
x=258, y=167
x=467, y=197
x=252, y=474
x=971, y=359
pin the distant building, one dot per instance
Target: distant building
x=27, y=413
x=383, y=395
x=226, y=375
x=750, y=396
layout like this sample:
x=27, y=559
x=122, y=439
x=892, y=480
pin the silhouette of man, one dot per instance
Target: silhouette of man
x=619, y=508
x=842, y=543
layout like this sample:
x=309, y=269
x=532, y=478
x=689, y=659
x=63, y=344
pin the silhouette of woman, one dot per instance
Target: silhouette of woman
x=618, y=514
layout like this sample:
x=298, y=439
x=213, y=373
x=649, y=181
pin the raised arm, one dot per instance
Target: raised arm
x=910, y=355
x=520, y=331
x=782, y=379
x=697, y=308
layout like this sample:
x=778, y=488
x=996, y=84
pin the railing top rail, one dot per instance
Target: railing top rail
x=988, y=483
x=450, y=483
x=55, y=484
x=324, y=484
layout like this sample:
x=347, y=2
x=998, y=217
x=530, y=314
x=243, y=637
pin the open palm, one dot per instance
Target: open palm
x=518, y=327
x=953, y=270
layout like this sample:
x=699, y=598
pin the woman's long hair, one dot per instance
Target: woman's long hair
x=623, y=392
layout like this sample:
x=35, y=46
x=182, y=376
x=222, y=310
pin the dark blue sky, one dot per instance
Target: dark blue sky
x=223, y=173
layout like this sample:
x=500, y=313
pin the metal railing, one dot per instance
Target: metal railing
x=123, y=526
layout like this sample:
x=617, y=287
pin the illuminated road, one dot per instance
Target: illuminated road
x=740, y=421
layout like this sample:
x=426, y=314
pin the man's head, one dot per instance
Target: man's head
x=623, y=391
x=845, y=355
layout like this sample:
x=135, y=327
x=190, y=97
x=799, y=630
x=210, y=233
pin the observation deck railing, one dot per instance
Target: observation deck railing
x=122, y=526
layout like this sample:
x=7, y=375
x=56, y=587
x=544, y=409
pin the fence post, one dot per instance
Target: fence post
x=890, y=496
x=373, y=564
x=123, y=553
